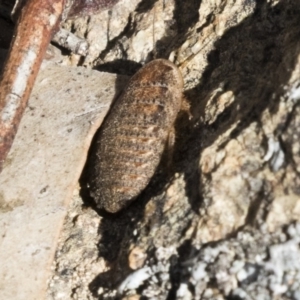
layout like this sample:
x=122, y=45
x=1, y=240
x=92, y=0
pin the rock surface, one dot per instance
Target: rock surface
x=221, y=222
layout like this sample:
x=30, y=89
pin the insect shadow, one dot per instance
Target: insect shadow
x=253, y=60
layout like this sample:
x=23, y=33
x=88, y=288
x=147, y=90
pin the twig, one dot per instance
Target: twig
x=38, y=21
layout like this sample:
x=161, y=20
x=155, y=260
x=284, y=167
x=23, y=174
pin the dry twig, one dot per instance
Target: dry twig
x=38, y=21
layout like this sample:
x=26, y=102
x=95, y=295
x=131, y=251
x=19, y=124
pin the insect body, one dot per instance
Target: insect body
x=133, y=136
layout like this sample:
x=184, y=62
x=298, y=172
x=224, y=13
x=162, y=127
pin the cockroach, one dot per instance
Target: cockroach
x=132, y=138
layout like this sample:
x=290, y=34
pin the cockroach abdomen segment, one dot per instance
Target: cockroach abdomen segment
x=130, y=142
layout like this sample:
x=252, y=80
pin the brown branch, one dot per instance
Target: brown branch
x=38, y=21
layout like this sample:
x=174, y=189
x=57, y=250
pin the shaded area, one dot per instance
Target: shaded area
x=253, y=60
x=122, y=67
x=184, y=9
x=145, y=5
x=6, y=25
x=6, y=33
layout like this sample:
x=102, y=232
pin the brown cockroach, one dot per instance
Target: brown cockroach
x=132, y=138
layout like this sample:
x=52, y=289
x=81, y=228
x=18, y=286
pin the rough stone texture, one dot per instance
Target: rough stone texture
x=220, y=223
